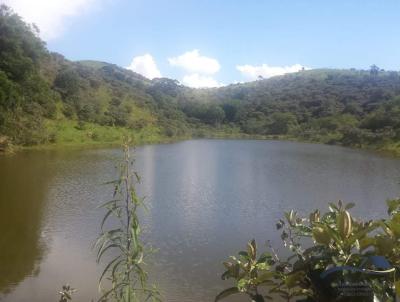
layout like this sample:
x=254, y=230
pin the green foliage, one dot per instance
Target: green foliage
x=125, y=272
x=339, y=240
x=249, y=272
x=25, y=98
x=387, y=242
x=329, y=106
x=20, y=49
x=63, y=133
x=349, y=107
x=282, y=123
x=67, y=82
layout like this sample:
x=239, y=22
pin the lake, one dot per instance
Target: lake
x=206, y=199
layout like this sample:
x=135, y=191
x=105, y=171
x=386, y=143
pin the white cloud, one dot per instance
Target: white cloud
x=196, y=80
x=146, y=66
x=199, y=68
x=266, y=71
x=193, y=62
x=51, y=15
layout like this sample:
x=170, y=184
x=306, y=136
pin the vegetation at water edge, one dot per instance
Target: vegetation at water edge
x=46, y=99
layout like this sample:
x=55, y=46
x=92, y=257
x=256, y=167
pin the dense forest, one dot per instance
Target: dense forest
x=47, y=99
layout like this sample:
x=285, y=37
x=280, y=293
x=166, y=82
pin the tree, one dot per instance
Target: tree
x=282, y=123
x=67, y=82
x=214, y=115
x=374, y=70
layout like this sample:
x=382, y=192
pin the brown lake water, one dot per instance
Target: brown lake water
x=207, y=198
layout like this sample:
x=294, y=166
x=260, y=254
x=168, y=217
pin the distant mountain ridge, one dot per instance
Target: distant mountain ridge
x=47, y=99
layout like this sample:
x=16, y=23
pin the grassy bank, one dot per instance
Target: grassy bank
x=73, y=134
x=389, y=148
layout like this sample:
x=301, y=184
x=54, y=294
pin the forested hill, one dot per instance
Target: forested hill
x=47, y=99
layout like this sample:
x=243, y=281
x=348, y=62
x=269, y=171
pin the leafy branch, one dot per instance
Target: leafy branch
x=127, y=278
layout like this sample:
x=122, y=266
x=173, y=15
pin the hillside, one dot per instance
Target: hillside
x=47, y=99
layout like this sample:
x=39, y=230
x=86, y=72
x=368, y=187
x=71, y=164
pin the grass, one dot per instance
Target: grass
x=67, y=133
x=392, y=148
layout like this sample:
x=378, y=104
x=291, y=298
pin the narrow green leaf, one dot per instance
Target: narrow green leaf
x=101, y=252
x=107, y=267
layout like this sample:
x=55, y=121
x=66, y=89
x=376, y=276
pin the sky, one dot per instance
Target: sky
x=210, y=43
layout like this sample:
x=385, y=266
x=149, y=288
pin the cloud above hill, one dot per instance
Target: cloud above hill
x=196, y=80
x=199, y=69
x=252, y=72
x=51, y=16
x=192, y=61
x=146, y=66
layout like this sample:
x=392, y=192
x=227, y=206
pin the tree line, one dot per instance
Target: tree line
x=349, y=107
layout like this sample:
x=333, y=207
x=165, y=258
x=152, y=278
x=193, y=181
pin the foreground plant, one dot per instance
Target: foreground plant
x=340, y=254
x=387, y=242
x=127, y=279
x=249, y=272
x=339, y=239
x=261, y=277
x=66, y=293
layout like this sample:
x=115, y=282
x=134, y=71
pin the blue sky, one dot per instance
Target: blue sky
x=214, y=42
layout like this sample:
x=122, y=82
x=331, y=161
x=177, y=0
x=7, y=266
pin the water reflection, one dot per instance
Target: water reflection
x=23, y=186
x=206, y=198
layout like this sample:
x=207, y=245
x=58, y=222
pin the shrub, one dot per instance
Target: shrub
x=341, y=245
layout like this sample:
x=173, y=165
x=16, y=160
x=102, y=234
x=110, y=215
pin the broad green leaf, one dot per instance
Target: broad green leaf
x=293, y=278
x=252, y=249
x=265, y=277
x=244, y=254
x=264, y=257
x=397, y=285
x=226, y=293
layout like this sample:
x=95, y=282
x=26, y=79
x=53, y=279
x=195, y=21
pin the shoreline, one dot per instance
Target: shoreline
x=385, y=150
